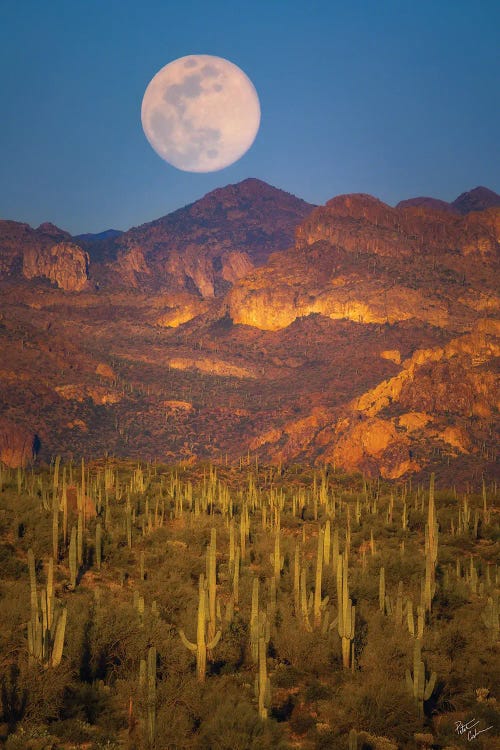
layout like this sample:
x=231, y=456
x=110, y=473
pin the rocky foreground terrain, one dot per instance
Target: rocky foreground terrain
x=252, y=322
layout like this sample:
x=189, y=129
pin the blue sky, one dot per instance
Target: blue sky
x=393, y=98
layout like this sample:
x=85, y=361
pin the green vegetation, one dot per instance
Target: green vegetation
x=193, y=607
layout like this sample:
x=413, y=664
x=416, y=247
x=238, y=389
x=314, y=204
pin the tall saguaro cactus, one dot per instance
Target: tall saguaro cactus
x=420, y=687
x=262, y=682
x=202, y=644
x=254, y=621
x=151, y=695
x=319, y=604
x=276, y=557
x=47, y=625
x=381, y=590
x=347, y=613
x=431, y=549
x=98, y=544
x=490, y=617
x=211, y=565
x=73, y=558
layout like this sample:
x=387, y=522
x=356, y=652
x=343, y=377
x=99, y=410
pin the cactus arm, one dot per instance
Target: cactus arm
x=381, y=589
x=430, y=686
x=215, y=640
x=191, y=646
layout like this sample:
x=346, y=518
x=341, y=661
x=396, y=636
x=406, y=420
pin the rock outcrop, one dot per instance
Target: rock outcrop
x=18, y=444
x=65, y=264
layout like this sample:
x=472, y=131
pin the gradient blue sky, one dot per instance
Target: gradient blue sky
x=388, y=97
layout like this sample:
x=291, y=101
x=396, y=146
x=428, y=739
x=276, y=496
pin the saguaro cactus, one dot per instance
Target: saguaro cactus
x=381, y=590
x=262, y=682
x=418, y=685
x=319, y=603
x=201, y=645
x=55, y=525
x=151, y=695
x=73, y=558
x=98, y=544
x=296, y=580
x=211, y=565
x=48, y=621
x=305, y=605
x=490, y=617
x=347, y=614
x=254, y=621
x=431, y=549
x=277, y=560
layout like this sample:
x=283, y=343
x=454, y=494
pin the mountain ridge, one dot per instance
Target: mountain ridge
x=370, y=340
x=478, y=199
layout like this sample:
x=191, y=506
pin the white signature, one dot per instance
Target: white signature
x=470, y=727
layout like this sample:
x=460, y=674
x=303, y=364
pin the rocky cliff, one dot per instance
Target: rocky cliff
x=65, y=263
x=46, y=252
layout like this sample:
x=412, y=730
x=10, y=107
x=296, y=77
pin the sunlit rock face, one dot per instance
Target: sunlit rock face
x=358, y=259
x=65, y=264
x=210, y=365
x=373, y=446
x=80, y=392
x=277, y=306
x=17, y=444
x=18, y=240
x=182, y=313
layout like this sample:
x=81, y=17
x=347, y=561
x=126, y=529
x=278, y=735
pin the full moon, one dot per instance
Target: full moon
x=200, y=113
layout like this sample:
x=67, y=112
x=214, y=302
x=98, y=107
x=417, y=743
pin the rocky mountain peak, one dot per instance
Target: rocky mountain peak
x=51, y=230
x=478, y=199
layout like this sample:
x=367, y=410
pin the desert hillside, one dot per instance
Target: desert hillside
x=353, y=334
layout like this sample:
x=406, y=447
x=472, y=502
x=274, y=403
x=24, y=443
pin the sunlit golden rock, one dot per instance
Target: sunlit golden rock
x=210, y=365
x=17, y=444
x=412, y=421
x=105, y=371
x=98, y=394
x=66, y=264
x=182, y=406
x=394, y=355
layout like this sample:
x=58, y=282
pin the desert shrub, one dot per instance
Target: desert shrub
x=234, y=723
x=10, y=564
x=286, y=676
x=310, y=653
x=32, y=738
x=382, y=706
x=40, y=700
x=301, y=720
x=317, y=691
